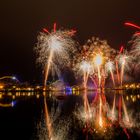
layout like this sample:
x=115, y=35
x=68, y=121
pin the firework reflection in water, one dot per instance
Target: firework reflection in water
x=59, y=124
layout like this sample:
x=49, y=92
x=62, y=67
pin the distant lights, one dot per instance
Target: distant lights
x=1, y=86
x=14, y=78
x=0, y=96
x=13, y=103
x=37, y=96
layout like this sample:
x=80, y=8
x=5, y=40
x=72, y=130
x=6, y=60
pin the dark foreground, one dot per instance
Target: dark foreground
x=22, y=117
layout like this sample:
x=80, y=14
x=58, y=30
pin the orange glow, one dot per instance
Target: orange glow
x=100, y=114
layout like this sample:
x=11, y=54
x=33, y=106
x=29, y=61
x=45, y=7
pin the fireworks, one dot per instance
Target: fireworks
x=85, y=67
x=135, y=50
x=60, y=43
x=54, y=50
x=96, y=52
x=124, y=60
x=98, y=60
x=95, y=60
x=110, y=67
x=132, y=25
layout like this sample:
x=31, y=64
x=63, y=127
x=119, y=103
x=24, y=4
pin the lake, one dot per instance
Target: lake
x=78, y=115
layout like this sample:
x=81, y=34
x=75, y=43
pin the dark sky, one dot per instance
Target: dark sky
x=21, y=21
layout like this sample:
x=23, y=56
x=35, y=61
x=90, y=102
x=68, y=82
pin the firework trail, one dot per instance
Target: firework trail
x=100, y=113
x=99, y=77
x=122, y=69
x=48, y=67
x=113, y=109
x=85, y=68
x=132, y=25
x=45, y=129
x=126, y=116
x=110, y=67
x=117, y=69
x=98, y=61
x=124, y=60
x=125, y=111
x=117, y=64
x=86, y=107
x=95, y=83
x=54, y=49
x=120, y=109
x=48, y=121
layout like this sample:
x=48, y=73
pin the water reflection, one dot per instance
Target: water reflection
x=80, y=114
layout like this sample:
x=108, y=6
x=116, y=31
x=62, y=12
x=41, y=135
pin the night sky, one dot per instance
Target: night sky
x=22, y=20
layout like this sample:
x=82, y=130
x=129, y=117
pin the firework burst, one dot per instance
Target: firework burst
x=124, y=61
x=96, y=52
x=110, y=67
x=54, y=50
x=135, y=50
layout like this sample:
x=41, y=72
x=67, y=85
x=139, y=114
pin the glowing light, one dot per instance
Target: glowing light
x=100, y=114
x=121, y=49
x=98, y=60
x=8, y=104
x=37, y=96
x=13, y=103
x=9, y=94
x=127, y=98
x=0, y=96
x=1, y=86
x=29, y=94
x=13, y=97
x=44, y=93
x=133, y=99
x=14, y=78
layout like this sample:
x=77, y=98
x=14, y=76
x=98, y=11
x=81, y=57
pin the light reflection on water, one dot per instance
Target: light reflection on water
x=67, y=115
